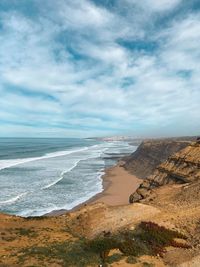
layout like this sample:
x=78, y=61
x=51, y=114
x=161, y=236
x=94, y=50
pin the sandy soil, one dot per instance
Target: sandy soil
x=97, y=218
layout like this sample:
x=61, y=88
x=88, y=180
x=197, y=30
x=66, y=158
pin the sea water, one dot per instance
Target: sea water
x=39, y=175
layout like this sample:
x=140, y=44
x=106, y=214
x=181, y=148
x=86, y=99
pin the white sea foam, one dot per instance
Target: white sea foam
x=71, y=168
x=5, y=164
x=13, y=199
x=69, y=206
x=81, y=200
x=61, y=176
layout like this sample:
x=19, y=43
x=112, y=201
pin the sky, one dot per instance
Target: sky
x=82, y=68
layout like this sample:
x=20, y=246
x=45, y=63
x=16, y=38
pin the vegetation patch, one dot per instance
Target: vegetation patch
x=26, y=232
x=14, y=233
x=147, y=239
x=38, y=218
x=8, y=238
x=66, y=253
x=131, y=260
x=114, y=258
x=158, y=237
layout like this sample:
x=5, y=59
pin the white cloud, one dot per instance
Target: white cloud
x=161, y=5
x=80, y=14
x=73, y=54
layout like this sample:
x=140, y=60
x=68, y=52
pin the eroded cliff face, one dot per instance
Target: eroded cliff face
x=182, y=167
x=150, y=154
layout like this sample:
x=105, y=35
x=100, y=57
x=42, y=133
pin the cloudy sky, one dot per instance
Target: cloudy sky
x=80, y=68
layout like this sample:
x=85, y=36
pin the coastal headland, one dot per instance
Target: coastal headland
x=160, y=228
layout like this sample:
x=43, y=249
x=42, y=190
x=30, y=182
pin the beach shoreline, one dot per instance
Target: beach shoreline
x=117, y=183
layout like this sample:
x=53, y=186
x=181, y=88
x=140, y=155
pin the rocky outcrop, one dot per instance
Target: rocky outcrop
x=182, y=167
x=150, y=154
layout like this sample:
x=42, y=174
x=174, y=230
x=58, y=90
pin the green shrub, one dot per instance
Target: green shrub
x=38, y=218
x=103, y=244
x=66, y=253
x=157, y=237
x=114, y=258
x=25, y=232
x=131, y=260
x=147, y=239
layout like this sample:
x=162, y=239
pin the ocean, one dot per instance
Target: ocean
x=39, y=175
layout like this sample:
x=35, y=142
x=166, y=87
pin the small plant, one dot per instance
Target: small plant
x=26, y=232
x=8, y=238
x=38, y=218
x=103, y=245
x=115, y=258
x=131, y=260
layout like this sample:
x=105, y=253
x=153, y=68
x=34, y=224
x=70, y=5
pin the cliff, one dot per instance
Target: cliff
x=182, y=167
x=150, y=154
x=174, y=188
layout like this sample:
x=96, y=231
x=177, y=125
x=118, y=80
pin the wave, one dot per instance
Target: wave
x=69, y=206
x=71, y=168
x=13, y=199
x=5, y=164
x=61, y=176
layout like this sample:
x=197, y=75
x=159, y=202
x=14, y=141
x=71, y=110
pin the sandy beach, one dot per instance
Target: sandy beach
x=118, y=184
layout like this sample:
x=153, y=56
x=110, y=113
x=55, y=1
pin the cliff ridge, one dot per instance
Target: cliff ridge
x=150, y=154
x=180, y=168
